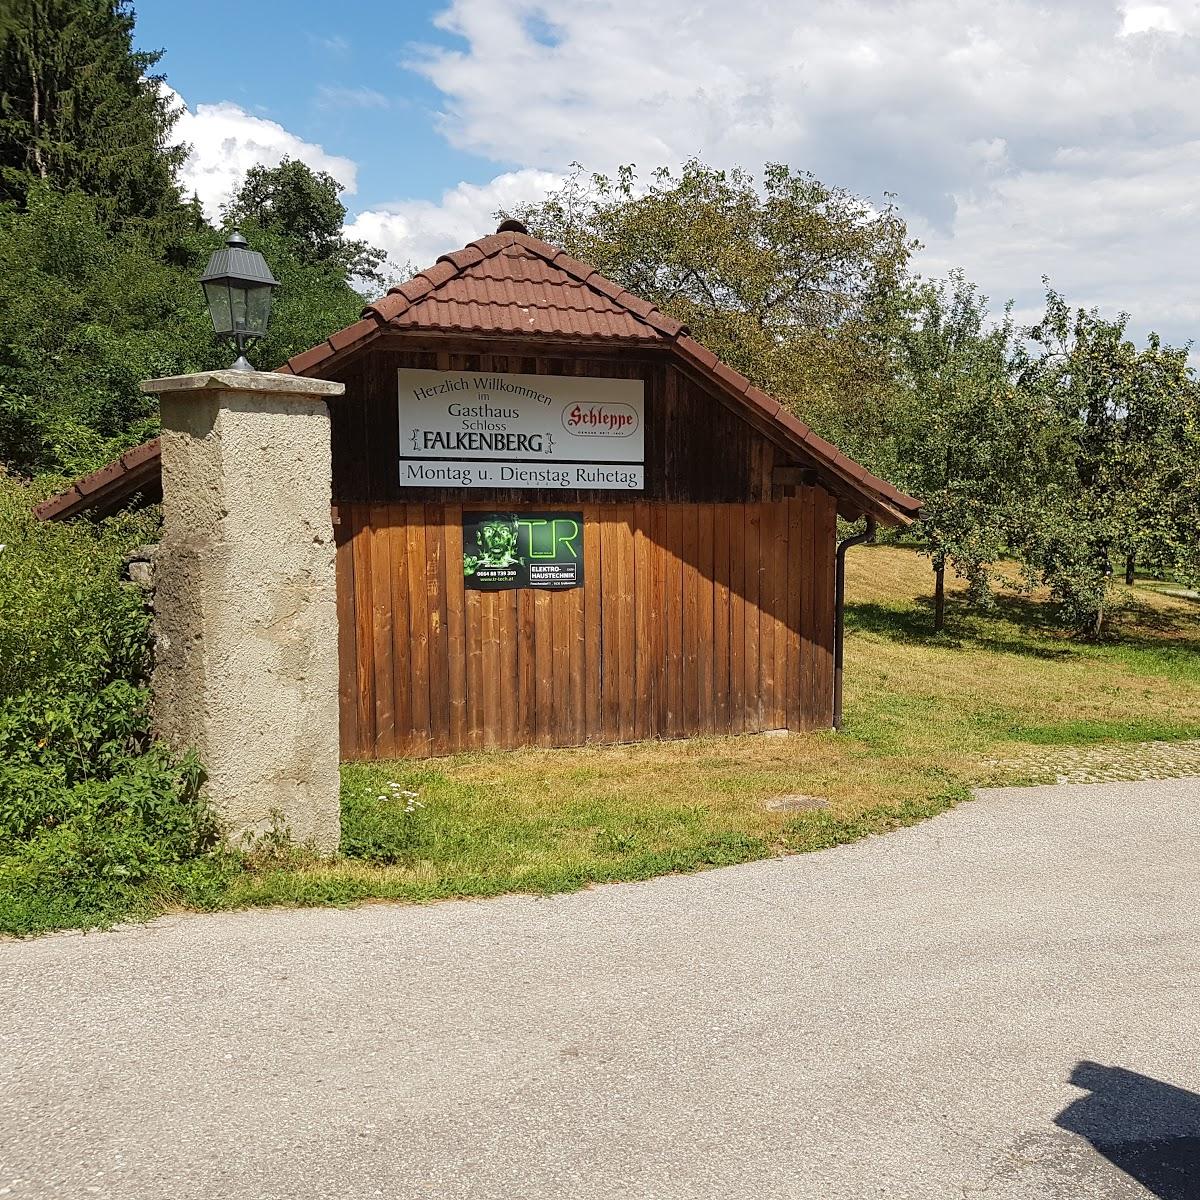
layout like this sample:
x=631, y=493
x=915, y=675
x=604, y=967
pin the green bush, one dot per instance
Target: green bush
x=94, y=818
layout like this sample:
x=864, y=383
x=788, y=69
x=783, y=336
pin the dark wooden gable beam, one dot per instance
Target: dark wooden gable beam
x=853, y=499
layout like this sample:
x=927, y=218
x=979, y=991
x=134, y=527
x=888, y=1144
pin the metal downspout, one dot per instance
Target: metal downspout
x=839, y=613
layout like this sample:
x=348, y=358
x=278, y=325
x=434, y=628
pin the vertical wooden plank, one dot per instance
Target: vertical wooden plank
x=772, y=552
x=808, y=615
x=564, y=635
x=381, y=633
x=456, y=635
x=625, y=621
x=543, y=669
x=705, y=599
x=544, y=699
x=673, y=439
x=510, y=668
x=764, y=464
x=473, y=626
x=347, y=650
x=577, y=666
x=797, y=570
x=356, y=482
x=720, y=640
x=396, y=518
x=382, y=443
x=753, y=599
x=646, y=616
x=592, y=640
x=489, y=608
x=345, y=426
x=781, y=602
x=610, y=666
x=659, y=554
x=824, y=545
x=526, y=697
x=365, y=690
x=418, y=629
x=691, y=631
x=737, y=618
x=673, y=616
x=577, y=654
x=439, y=663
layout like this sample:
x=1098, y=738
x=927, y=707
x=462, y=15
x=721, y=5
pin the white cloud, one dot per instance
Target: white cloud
x=345, y=97
x=1021, y=138
x=1175, y=16
x=226, y=141
x=1115, y=230
x=335, y=44
x=417, y=231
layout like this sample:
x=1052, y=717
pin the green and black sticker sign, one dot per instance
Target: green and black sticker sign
x=522, y=550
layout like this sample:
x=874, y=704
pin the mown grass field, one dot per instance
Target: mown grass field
x=927, y=717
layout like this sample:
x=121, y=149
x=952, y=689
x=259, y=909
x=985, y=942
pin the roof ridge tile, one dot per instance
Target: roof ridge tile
x=574, y=266
x=468, y=256
x=299, y=363
x=635, y=303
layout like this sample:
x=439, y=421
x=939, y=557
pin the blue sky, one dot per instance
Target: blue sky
x=324, y=72
x=1019, y=139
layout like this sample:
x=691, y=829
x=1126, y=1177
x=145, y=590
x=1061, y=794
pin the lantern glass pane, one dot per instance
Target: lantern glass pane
x=237, y=303
x=217, y=295
x=258, y=309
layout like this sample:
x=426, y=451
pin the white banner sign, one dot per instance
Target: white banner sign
x=475, y=429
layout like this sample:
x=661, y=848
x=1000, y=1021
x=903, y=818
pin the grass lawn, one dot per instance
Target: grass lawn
x=926, y=718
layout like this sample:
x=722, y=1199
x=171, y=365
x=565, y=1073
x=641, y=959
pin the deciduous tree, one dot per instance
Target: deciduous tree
x=970, y=443
x=788, y=280
x=303, y=207
x=1125, y=481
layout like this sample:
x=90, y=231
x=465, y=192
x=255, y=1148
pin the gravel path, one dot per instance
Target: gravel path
x=1001, y=1002
x=1108, y=762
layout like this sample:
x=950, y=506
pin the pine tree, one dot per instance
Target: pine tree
x=80, y=109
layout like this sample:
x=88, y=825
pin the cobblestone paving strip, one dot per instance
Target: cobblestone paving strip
x=1109, y=763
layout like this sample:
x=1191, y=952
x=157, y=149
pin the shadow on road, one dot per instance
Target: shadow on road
x=1149, y=1129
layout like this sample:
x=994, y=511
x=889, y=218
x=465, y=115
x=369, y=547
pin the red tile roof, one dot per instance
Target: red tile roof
x=515, y=291
x=505, y=285
x=108, y=489
x=510, y=284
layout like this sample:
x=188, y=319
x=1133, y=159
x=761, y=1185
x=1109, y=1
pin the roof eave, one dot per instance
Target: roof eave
x=105, y=491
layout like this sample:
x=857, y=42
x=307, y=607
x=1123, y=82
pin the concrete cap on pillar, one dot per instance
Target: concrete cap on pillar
x=271, y=383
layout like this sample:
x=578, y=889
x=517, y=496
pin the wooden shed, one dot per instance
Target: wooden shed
x=561, y=520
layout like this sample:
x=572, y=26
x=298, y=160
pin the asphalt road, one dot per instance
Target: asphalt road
x=1002, y=1002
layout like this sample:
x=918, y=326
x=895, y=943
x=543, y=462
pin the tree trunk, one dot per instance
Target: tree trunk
x=35, y=79
x=1130, y=561
x=939, y=595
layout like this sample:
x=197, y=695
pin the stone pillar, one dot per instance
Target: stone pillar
x=246, y=659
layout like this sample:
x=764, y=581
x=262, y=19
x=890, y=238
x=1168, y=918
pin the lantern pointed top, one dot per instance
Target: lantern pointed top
x=237, y=261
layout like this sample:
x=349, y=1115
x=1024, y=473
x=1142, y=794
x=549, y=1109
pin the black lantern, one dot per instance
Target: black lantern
x=238, y=286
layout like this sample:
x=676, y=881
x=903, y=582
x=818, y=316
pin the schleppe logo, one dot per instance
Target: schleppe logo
x=605, y=419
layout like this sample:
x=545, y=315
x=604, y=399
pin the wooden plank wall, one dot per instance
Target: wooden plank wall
x=694, y=618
